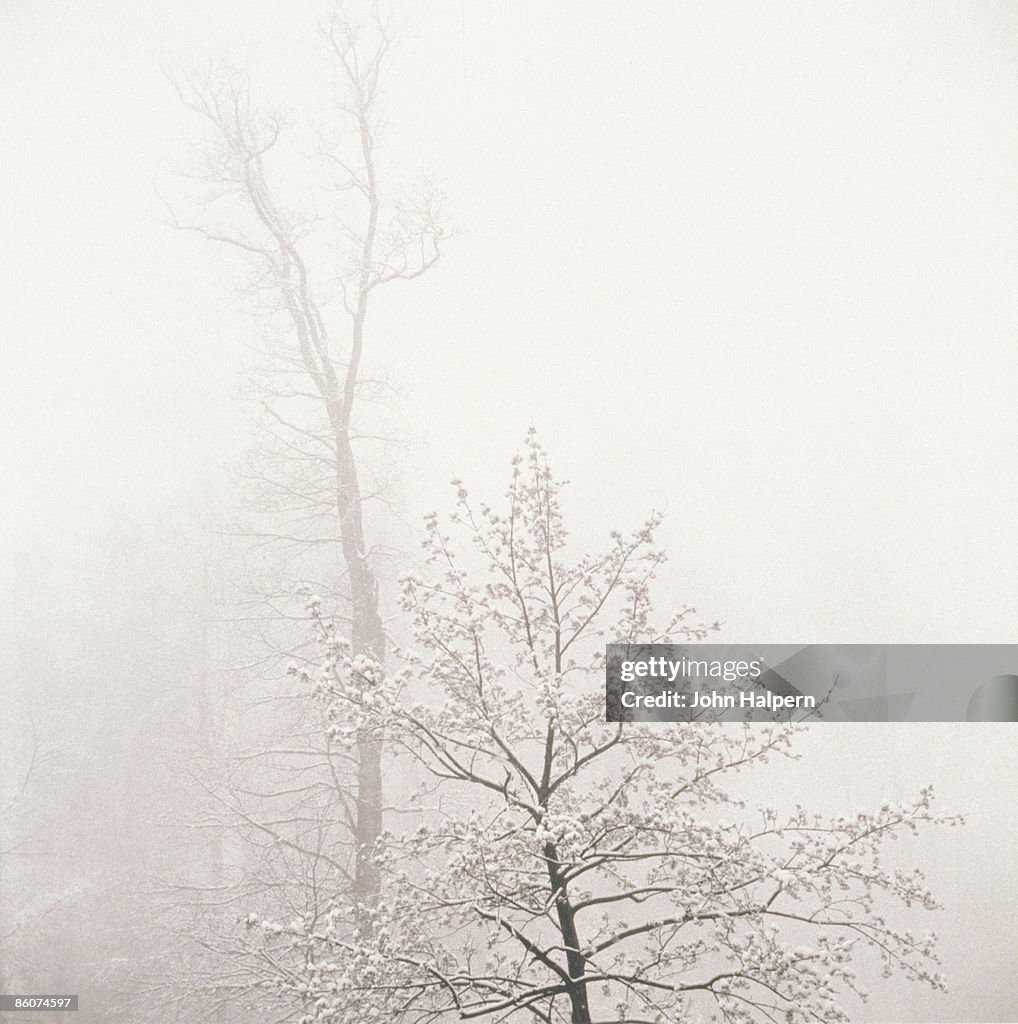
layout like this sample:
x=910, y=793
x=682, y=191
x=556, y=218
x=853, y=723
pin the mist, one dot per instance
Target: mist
x=747, y=266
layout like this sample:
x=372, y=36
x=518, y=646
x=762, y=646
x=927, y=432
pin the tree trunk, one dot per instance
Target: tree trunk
x=575, y=961
x=368, y=639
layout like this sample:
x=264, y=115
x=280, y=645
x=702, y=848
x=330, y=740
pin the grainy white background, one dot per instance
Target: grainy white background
x=754, y=263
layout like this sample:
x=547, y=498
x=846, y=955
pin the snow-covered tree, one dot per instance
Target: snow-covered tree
x=565, y=869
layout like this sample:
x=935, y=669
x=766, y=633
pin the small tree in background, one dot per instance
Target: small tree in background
x=565, y=869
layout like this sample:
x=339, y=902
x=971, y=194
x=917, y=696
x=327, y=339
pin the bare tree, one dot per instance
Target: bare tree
x=573, y=870
x=317, y=293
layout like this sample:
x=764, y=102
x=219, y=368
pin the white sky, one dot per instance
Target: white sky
x=755, y=262
x=752, y=262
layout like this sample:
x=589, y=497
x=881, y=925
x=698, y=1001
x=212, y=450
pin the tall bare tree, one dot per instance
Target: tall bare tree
x=317, y=293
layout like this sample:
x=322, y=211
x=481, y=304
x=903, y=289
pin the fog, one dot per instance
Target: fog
x=749, y=265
